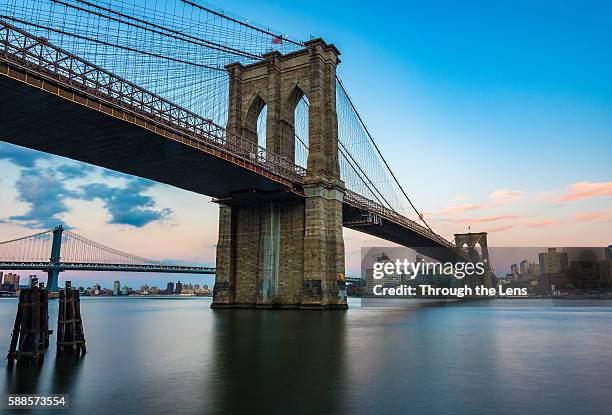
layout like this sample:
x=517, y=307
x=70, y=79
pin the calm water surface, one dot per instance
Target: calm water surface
x=166, y=356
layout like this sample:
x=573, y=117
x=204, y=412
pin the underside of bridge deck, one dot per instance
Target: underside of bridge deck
x=34, y=118
x=399, y=234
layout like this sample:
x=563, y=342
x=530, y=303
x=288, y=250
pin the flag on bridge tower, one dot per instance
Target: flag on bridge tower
x=277, y=40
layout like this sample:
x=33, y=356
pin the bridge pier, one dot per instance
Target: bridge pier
x=285, y=253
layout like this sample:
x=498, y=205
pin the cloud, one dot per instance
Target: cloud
x=453, y=210
x=598, y=216
x=487, y=219
x=458, y=198
x=21, y=156
x=127, y=205
x=586, y=190
x=503, y=196
x=74, y=171
x=500, y=228
x=542, y=223
x=45, y=194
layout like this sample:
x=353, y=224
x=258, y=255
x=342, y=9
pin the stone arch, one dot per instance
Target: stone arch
x=478, y=247
x=249, y=127
x=281, y=81
x=297, y=123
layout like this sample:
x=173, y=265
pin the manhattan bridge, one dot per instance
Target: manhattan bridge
x=185, y=94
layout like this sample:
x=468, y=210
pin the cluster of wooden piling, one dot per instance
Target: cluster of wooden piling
x=70, y=336
x=30, y=337
x=31, y=332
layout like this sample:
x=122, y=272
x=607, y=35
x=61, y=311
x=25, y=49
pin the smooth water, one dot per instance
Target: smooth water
x=177, y=356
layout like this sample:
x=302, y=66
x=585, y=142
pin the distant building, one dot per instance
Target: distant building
x=179, y=287
x=514, y=270
x=117, y=288
x=170, y=288
x=553, y=262
x=11, y=279
x=386, y=281
x=524, y=267
x=125, y=290
x=153, y=291
x=7, y=287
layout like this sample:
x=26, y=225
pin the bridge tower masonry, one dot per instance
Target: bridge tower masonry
x=469, y=242
x=274, y=252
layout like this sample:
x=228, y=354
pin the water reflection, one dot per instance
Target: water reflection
x=179, y=356
x=279, y=362
x=66, y=373
x=22, y=379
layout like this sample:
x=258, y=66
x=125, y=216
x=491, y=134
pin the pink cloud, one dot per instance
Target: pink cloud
x=487, y=219
x=586, y=190
x=598, y=216
x=453, y=210
x=505, y=196
x=542, y=223
x=458, y=198
x=500, y=228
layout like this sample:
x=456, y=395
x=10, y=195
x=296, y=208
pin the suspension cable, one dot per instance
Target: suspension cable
x=380, y=154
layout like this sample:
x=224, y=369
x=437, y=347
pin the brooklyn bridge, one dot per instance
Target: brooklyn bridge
x=200, y=100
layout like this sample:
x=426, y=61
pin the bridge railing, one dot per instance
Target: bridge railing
x=371, y=206
x=37, y=54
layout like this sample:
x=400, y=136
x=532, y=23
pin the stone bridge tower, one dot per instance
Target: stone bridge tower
x=285, y=253
x=470, y=242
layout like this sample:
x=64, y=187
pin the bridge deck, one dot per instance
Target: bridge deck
x=34, y=118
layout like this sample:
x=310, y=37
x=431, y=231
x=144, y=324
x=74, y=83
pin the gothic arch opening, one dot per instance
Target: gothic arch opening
x=251, y=122
x=262, y=127
x=478, y=248
x=300, y=107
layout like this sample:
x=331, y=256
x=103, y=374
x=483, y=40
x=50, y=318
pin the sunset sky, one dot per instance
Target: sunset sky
x=496, y=117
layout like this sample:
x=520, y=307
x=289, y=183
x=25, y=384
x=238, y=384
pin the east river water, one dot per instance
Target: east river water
x=177, y=356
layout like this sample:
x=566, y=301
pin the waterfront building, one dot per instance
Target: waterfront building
x=170, y=288
x=553, y=262
x=179, y=287
x=117, y=288
x=386, y=281
x=514, y=270
x=12, y=279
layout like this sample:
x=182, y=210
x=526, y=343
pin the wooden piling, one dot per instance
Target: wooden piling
x=30, y=335
x=70, y=335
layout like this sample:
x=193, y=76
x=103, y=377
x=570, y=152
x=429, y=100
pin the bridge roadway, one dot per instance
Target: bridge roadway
x=58, y=103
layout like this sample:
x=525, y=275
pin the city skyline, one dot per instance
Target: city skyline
x=473, y=163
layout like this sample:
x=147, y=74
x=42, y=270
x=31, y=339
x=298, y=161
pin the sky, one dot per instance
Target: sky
x=494, y=116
